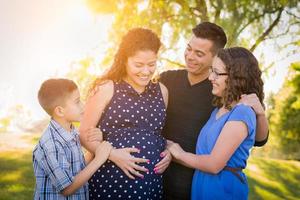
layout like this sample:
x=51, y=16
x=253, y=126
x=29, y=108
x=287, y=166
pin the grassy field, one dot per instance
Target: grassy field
x=268, y=178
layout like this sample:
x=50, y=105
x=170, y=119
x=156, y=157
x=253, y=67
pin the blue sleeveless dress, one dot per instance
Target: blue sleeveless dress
x=132, y=120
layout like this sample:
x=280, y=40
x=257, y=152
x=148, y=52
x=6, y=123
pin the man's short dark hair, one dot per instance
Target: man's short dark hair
x=54, y=92
x=213, y=32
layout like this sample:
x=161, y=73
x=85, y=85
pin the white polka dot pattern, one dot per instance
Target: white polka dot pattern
x=132, y=120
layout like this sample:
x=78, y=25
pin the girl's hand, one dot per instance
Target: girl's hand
x=175, y=150
x=164, y=163
x=123, y=159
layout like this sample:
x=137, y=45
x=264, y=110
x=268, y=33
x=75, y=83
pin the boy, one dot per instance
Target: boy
x=58, y=161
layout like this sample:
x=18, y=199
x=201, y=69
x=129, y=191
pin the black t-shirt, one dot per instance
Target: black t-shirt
x=188, y=110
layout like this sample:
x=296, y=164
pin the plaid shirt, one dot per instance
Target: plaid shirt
x=57, y=159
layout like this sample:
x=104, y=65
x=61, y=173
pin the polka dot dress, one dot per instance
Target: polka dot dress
x=132, y=120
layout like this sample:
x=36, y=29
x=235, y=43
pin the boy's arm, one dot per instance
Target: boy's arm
x=88, y=157
x=53, y=161
x=102, y=153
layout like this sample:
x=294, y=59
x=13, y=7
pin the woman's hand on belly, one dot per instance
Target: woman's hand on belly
x=124, y=160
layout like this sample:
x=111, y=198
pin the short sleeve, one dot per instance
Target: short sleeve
x=52, y=159
x=163, y=77
x=245, y=114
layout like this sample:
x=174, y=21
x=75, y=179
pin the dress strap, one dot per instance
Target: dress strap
x=235, y=171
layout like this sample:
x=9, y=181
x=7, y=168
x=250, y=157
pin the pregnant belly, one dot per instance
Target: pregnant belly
x=150, y=143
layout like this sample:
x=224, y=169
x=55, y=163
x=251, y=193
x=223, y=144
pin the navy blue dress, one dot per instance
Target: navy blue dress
x=132, y=120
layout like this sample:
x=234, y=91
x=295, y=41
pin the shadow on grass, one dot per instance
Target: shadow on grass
x=16, y=175
x=273, y=179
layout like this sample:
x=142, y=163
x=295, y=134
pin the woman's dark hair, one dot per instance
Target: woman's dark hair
x=137, y=39
x=244, y=76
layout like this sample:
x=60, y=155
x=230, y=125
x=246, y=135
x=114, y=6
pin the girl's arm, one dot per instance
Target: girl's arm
x=231, y=136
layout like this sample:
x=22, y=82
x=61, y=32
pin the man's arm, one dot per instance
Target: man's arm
x=262, y=130
x=262, y=127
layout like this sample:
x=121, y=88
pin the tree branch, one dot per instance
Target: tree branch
x=283, y=33
x=256, y=18
x=201, y=7
x=267, y=32
x=292, y=14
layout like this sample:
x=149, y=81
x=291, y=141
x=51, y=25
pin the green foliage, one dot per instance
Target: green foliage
x=285, y=115
x=4, y=124
x=84, y=72
x=247, y=23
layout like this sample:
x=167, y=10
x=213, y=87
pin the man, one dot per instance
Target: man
x=190, y=105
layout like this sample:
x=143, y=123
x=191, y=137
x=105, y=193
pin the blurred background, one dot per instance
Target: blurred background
x=77, y=39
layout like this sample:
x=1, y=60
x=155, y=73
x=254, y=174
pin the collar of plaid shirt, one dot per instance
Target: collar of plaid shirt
x=65, y=136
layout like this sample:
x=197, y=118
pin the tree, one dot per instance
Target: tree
x=247, y=23
x=285, y=115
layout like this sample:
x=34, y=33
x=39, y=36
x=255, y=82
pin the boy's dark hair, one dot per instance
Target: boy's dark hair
x=213, y=32
x=53, y=92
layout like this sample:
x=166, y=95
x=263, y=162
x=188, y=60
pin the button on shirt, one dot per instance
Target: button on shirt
x=57, y=159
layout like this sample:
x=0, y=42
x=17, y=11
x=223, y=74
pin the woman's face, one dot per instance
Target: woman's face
x=140, y=69
x=218, y=76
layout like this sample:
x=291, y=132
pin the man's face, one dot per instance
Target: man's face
x=198, y=55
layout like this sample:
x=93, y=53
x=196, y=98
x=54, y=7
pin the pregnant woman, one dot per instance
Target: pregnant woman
x=130, y=110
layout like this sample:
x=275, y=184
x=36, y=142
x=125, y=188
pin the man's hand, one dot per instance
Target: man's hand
x=253, y=101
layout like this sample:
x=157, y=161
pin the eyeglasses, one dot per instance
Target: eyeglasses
x=216, y=74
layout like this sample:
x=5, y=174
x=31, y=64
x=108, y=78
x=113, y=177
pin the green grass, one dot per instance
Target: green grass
x=268, y=178
x=16, y=175
x=273, y=179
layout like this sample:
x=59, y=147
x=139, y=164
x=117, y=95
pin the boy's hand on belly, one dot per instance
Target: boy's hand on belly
x=123, y=159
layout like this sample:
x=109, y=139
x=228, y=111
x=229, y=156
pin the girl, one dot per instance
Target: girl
x=223, y=144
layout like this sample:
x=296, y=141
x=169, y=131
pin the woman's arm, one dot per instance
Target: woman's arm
x=94, y=107
x=93, y=110
x=231, y=136
x=161, y=166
